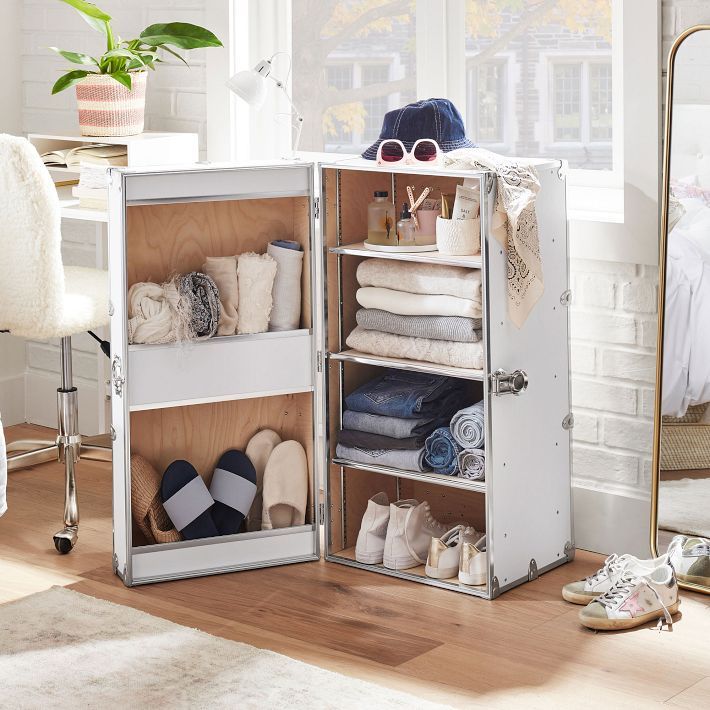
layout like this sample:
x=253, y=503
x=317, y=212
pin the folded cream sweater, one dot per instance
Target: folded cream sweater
x=416, y=304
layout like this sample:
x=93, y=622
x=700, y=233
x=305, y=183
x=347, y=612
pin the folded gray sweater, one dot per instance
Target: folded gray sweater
x=454, y=328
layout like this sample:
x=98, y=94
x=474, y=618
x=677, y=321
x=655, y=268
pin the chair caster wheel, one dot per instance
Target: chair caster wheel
x=65, y=540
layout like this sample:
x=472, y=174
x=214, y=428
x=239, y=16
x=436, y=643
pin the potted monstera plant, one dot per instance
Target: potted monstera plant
x=110, y=89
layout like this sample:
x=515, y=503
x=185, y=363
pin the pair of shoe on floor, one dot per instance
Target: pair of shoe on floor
x=403, y=534
x=627, y=592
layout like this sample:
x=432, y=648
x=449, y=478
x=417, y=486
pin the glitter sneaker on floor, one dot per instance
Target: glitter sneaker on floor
x=690, y=557
x=634, y=600
x=586, y=590
x=445, y=551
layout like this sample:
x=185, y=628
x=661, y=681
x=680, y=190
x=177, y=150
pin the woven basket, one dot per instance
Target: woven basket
x=107, y=108
x=147, y=509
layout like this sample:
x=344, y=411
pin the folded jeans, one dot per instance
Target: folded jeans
x=395, y=427
x=412, y=460
x=442, y=452
x=364, y=440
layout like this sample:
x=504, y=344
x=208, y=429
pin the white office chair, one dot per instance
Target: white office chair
x=40, y=298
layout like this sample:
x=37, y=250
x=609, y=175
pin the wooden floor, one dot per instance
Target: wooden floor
x=523, y=650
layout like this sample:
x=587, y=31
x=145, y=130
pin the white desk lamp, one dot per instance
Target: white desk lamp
x=250, y=85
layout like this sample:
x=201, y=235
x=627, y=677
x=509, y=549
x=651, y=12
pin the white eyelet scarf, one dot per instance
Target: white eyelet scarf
x=514, y=224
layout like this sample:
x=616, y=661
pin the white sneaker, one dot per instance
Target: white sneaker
x=445, y=552
x=370, y=544
x=473, y=567
x=690, y=557
x=586, y=590
x=634, y=600
x=409, y=532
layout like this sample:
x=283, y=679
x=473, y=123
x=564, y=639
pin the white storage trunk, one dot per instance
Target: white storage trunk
x=194, y=402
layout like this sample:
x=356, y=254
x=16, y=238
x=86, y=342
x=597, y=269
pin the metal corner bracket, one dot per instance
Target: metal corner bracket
x=532, y=570
x=568, y=422
x=569, y=551
x=566, y=297
x=495, y=588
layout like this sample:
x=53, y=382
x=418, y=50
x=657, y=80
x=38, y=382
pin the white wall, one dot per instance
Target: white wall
x=176, y=102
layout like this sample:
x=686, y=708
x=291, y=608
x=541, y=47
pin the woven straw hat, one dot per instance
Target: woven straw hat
x=148, y=511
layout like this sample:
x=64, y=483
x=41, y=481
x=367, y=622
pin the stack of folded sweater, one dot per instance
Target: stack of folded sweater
x=388, y=419
x=434, y=314
x=457, y=449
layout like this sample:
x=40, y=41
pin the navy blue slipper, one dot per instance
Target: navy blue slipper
x=187, y=501
x=233, y=488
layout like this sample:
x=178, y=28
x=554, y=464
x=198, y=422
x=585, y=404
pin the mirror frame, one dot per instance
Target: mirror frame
x=665, y=198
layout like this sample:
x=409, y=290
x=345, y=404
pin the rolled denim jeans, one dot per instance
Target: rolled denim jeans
x=394, y=427
x=412, y=460
x=408, y=395
x=442, y=452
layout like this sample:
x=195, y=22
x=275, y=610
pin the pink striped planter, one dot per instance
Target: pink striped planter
x=107, y=108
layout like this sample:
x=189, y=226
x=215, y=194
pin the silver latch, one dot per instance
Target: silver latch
x=503, y=382
x=112, y=433
x=117, y=376
x=111, y=309
x=566, y=297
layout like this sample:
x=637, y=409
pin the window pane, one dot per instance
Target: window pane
x=566, y=102
x=487, y=87
x=351, y=65
x=600, y=101
x=556, y=58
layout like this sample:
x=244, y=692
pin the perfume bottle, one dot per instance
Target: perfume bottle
x=405, y=228
x=381, y=220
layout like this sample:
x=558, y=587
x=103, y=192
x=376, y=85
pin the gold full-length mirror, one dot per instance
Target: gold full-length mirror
x=681, y=488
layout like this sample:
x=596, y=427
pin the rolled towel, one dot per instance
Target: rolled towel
x=202, y=296
x=286, y=292
x=442, y=352
x=404, y=460
x=453, y=328
x=255, y=273
x=442, y=452
x=416, y=304
x=421, y=278
x=468, y=427
x=472, y=464
x=155, y=314
x=223, y=271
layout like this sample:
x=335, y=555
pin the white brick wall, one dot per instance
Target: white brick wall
x=176, y=102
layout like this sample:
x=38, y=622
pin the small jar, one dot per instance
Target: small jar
x=381, y=221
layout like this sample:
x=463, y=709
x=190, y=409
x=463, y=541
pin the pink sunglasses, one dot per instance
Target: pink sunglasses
x=392, y=152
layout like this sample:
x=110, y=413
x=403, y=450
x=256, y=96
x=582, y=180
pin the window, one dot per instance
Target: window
x=338, y=77
x=566, y=102
x=376, y=107
x=600, y=101
x=486, y=105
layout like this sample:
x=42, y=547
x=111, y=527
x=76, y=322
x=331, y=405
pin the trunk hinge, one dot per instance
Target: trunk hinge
x=319, y=361
x=316, y=207
x=321, y=513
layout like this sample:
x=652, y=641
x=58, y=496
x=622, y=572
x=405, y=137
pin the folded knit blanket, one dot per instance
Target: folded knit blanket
x=393, y=427
x=223, y=271
x=421, y=278
x=256, y=274
x=468, y=427
x=441, y=452
x=441, y=352
x=403, y=460
x=365, y=440
x=454, y=328
x=472, y=464
x=416, y=304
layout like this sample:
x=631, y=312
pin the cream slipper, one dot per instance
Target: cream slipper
x=285, y=487
x=258, y=450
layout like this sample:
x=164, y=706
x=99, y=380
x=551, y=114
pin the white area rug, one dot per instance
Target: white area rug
x=684, y=506
x=62, y=649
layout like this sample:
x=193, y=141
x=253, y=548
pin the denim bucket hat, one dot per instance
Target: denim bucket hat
x=430, y=118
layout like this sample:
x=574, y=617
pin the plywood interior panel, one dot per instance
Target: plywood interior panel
x=167, y=239
x=201, y=433
x=356, y=192
x=438, y=184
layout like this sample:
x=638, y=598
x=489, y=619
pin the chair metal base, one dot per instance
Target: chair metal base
x=69, y=447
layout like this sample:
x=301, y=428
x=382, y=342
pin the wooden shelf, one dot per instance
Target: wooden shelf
x=401, y=364
x=428, y=477
x=424, y=257
x=71, y=210
x=416, y=574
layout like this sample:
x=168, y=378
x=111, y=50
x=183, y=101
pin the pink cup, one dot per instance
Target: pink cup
x=426, y=234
